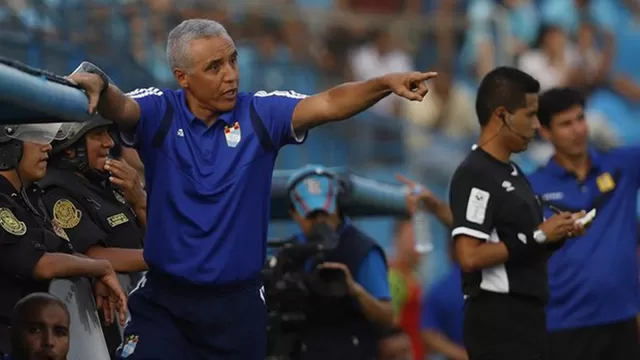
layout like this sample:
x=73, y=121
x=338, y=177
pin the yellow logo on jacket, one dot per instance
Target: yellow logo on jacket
x=605, y=183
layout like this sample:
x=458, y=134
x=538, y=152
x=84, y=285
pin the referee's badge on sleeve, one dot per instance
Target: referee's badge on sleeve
x=477, y=205
x=232, y=134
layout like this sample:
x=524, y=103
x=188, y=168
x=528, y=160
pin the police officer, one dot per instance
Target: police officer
x=99, y=202
x=34, y=249
x=340, y=328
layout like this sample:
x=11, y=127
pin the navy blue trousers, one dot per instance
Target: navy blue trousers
x=171, y=320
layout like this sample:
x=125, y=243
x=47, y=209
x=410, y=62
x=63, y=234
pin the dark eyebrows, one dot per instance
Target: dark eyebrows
x=219, y=61
x=212, y=63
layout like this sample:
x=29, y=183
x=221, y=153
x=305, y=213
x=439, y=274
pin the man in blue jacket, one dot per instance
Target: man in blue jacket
x=595, y=295
x=209, y=153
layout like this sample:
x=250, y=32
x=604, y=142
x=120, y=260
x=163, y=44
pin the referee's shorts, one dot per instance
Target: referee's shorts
x=505, y=327
x=615, y=341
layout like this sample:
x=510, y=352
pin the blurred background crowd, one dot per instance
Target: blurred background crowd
x=309, y=45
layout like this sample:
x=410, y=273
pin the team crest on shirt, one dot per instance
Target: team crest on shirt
x=605, y=182
x=129, y=345
x=59, y=230
x=232, y=134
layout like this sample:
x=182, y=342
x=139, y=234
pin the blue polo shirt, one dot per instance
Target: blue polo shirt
x=443, y=307
x=209, y=188
x=593, y=279
x=372, y=273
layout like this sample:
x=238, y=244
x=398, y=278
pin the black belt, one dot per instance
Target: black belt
x=157, y=278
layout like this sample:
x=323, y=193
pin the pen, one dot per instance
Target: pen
x=555, y=209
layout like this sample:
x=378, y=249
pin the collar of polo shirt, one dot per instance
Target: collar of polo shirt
x=556, y=169
x=227, y=117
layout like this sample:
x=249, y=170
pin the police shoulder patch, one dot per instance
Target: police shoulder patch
x=11, y=224
x=66, y=214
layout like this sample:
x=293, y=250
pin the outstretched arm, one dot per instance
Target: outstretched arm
x=346, y=100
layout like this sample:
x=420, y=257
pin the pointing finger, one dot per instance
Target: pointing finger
x=424, y=76
x=401, y=178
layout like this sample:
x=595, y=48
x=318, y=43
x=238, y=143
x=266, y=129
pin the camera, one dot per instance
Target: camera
x=292, y=280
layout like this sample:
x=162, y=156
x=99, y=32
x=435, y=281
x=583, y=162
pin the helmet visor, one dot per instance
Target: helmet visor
x=37, y=133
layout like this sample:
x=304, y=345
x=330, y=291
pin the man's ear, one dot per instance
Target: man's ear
x=181, y=77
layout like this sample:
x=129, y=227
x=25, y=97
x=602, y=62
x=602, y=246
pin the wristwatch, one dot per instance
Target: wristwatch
x=539, y=236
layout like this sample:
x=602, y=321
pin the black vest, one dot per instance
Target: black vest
x=41, y=235
x=336, y=328
x=104, y=205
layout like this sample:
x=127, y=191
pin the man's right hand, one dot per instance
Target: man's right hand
x=558, y=226
x=92, y=84
x=110, y=298
x=429, y=199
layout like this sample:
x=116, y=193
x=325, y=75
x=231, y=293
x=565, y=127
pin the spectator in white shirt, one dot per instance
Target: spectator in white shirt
x=378, y=57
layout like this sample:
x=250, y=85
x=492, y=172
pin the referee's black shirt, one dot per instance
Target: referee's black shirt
x=493, y=201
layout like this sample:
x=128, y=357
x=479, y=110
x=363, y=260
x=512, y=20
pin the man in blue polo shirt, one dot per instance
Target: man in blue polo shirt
x=334, y=322
x=593, y=282
x=209, y=153
x=595, y=294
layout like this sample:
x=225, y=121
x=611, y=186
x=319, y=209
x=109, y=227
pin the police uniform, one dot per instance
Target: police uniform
x=505, y=304
x=91, y=213
x=26, y=234
x=88, y=208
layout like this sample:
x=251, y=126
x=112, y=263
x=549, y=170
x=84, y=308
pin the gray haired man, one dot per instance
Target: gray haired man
x=209, y=153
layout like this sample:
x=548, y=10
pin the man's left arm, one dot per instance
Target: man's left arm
x=372, y=290
x=346, y=100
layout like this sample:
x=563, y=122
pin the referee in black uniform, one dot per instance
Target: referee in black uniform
x=502, y=242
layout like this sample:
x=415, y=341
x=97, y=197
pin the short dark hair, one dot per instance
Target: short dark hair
x=555, y=101
x=30, y=303
x=503, y=86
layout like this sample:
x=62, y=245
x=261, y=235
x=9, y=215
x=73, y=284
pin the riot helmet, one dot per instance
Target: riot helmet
x=13, y=136
x=76, y=140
